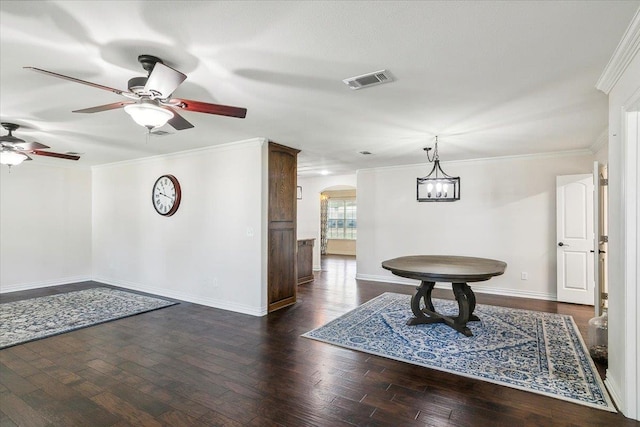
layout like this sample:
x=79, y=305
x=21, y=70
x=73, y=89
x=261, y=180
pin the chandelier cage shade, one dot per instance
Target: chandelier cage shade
x=437, y=186
x=148, y=114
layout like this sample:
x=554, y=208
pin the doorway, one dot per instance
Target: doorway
x=338, y=221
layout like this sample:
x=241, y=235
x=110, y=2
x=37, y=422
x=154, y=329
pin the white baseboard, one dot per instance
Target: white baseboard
x=614, y=392
x=43, y=284
x=196, y=299
x=479, y=289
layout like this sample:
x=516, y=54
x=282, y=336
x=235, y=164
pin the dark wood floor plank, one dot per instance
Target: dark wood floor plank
x=116, y=405
x=5, y=421
x=176, y=418
x=15, y=383
x=167, y=395
x=52, y=387
x=74, y=411
x=213, y=418
x=20, y=366
x=21, y=413
x=191, y=365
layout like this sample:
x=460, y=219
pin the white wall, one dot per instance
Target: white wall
x=45, y=226
x=623, y=374
x=506, y=212
x=209, y=251
x=309, y=207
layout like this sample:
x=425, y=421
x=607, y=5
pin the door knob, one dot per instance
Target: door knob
x=562, y=244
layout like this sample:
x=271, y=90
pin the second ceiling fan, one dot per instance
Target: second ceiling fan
x=150, y=102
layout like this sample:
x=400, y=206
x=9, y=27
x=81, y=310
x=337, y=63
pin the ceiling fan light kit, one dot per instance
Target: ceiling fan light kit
x=437, y=186
x=149, y=115
x=12, y=158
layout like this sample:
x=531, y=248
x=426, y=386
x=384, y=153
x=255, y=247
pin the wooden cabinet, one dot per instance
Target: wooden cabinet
x=282, y=263
x=305, y=261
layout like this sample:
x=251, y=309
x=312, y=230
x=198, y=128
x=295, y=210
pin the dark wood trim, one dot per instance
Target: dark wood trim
x=305, y=261
x=283, y=303
x=282, y=269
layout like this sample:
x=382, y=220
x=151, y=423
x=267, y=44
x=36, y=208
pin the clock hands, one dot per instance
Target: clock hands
x=165, y=189
x=162, y=194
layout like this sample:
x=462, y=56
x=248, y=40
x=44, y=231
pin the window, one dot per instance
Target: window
x=341, y=219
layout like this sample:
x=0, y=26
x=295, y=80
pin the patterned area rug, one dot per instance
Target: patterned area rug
x=36, y=318
x=528, y=350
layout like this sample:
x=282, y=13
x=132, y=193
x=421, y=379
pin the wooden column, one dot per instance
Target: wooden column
x=282, y=218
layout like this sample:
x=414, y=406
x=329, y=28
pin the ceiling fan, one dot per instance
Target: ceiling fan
x=14, y=151
x=150, y=103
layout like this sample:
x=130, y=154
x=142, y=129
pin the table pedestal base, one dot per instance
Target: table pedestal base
x=425, y=313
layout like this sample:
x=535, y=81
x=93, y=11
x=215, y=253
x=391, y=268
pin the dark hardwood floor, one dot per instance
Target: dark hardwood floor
x=191, y=365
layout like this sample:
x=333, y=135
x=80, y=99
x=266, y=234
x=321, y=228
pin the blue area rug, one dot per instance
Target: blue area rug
x=36, y=318
x=528, y=350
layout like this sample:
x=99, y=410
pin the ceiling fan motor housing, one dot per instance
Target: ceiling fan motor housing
x=136, y=85
x=10, y=138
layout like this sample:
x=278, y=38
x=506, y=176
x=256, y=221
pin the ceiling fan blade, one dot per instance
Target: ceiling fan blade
x=105, y=107
x=178, y=122
x=30, y=146
x=163, y=80
x=52, y=154
x=26, y=157
x=73, y=79
x=204, y=107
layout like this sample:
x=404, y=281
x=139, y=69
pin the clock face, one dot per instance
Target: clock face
x=166, y=195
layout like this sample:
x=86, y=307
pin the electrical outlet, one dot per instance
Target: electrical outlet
x=524, y=276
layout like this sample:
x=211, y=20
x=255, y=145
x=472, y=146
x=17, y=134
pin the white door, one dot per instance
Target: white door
x=575, y=239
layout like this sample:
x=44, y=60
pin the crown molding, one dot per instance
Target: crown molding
x=623, y=55
x=545, y=155
x=186, y=153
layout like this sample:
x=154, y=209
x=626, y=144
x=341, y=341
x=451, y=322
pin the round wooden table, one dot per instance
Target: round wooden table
x=458, y=270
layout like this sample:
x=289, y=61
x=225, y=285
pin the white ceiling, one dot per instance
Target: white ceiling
x=490, y=78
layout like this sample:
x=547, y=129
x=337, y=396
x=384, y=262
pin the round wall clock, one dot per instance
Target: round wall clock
x=166, y=195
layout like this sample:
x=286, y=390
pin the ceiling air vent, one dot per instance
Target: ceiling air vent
x=368, y=80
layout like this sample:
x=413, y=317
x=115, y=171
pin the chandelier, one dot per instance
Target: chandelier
x=437, y=186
